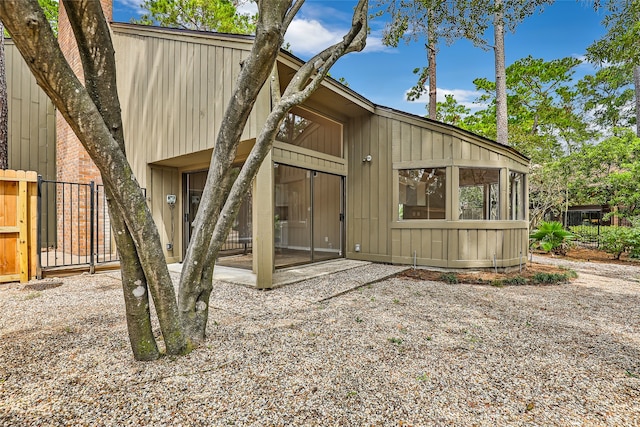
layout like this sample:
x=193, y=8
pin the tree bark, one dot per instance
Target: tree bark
x=636, y=87
x=4, y=107
x=194, y=302
x=37, y=44
x=98, y=65
x=501, y=78
x=195, y=282
x=431, y=64
x=94, y=114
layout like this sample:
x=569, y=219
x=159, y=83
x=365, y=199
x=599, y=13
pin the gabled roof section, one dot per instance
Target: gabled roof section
x=332, y=97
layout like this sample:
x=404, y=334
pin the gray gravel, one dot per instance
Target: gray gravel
x=396, y=352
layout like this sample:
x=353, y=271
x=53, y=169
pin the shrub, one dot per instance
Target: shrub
x=618, y=240
x=449, y=278
x=552, y=237
x=550, y=278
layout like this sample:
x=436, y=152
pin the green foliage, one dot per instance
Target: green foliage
x=449, y=278
x=551, y=278
x=620, y=43
x=50, y=8
x=450, y=111
x=607, y=173
x=551, y=237
x=201, y=15
x=608, y=96
x=517, y=280
x=620, y=240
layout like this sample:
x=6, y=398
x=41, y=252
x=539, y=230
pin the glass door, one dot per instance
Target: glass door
x=292, y=216
x=193, y=184
x=327, y=216
x=308, y=219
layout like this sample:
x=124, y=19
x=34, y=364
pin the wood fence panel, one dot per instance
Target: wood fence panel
x=18, y=225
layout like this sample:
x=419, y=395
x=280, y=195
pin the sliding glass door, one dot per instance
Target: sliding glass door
x=308, y=216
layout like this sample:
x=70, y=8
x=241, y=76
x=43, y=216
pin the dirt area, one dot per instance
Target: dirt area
x=534, y=273
x=594, y=255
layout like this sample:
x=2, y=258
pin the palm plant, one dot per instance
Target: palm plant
x=551, y=237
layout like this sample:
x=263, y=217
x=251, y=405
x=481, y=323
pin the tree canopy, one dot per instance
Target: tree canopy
x=202, y=15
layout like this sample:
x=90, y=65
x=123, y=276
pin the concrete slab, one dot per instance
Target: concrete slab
x=282, y=277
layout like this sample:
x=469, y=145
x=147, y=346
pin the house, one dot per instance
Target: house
x=346, y=178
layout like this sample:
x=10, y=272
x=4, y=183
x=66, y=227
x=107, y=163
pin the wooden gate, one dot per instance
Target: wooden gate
x=18, y=225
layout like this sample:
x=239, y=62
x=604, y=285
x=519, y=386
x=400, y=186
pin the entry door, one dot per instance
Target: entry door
x=193, y=184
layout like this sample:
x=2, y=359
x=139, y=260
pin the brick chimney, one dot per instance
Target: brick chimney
x=73, y=163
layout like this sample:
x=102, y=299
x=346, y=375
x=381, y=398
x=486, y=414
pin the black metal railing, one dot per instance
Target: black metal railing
x=73, y=225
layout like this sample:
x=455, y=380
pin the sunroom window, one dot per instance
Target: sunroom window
x=422, y=193
x=479, y=194
x=516, y=196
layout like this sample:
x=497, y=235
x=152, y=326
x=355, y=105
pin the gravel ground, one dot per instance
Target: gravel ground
x=394, y=352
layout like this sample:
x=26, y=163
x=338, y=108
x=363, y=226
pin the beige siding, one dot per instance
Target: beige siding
x=173, y=90
x=163, y=181
x=369, y=204
x=397, y=141
x=304, y=158
x=32, y=119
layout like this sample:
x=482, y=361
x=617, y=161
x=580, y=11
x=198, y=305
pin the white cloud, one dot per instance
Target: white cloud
x=247, y=7
x=462, y=96
x=309, y=36
x=129, y=4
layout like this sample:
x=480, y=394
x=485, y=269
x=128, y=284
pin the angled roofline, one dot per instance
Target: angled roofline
x=288, y=58
x=453, y=128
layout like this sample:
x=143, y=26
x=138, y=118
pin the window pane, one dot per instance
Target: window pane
x=516, y=196
x=422, y=193
x=311, y=131
x=479, y=194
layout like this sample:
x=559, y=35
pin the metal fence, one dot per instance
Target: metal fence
x=73, y=226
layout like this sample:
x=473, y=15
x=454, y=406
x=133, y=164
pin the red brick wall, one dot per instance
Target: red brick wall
x=73, y=162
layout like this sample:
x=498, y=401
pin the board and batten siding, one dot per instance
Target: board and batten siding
x=32, y=119
x=174, y=88
x=369, y=204
x=399, y=141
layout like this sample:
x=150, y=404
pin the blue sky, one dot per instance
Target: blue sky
x=384, y=74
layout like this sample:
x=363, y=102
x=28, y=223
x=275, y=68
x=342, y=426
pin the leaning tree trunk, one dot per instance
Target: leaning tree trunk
x=96, y=54
x=431, y=65
x=4, y=108
x=34, y=39
x=501, y=77
x=636, y=86
x=195, y=286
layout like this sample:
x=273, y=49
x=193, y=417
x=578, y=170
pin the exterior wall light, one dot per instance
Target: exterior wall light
x=368, y=158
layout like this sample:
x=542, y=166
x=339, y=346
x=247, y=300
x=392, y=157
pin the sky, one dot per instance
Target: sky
x=385, y=74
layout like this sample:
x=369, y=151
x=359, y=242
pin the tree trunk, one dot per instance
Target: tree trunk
x=501, y=78
x=4, y=108
x=94, y=114
x=37, y=44
x=636, y=86
x=431, y=64
x=194, y=296
x=100, y=86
